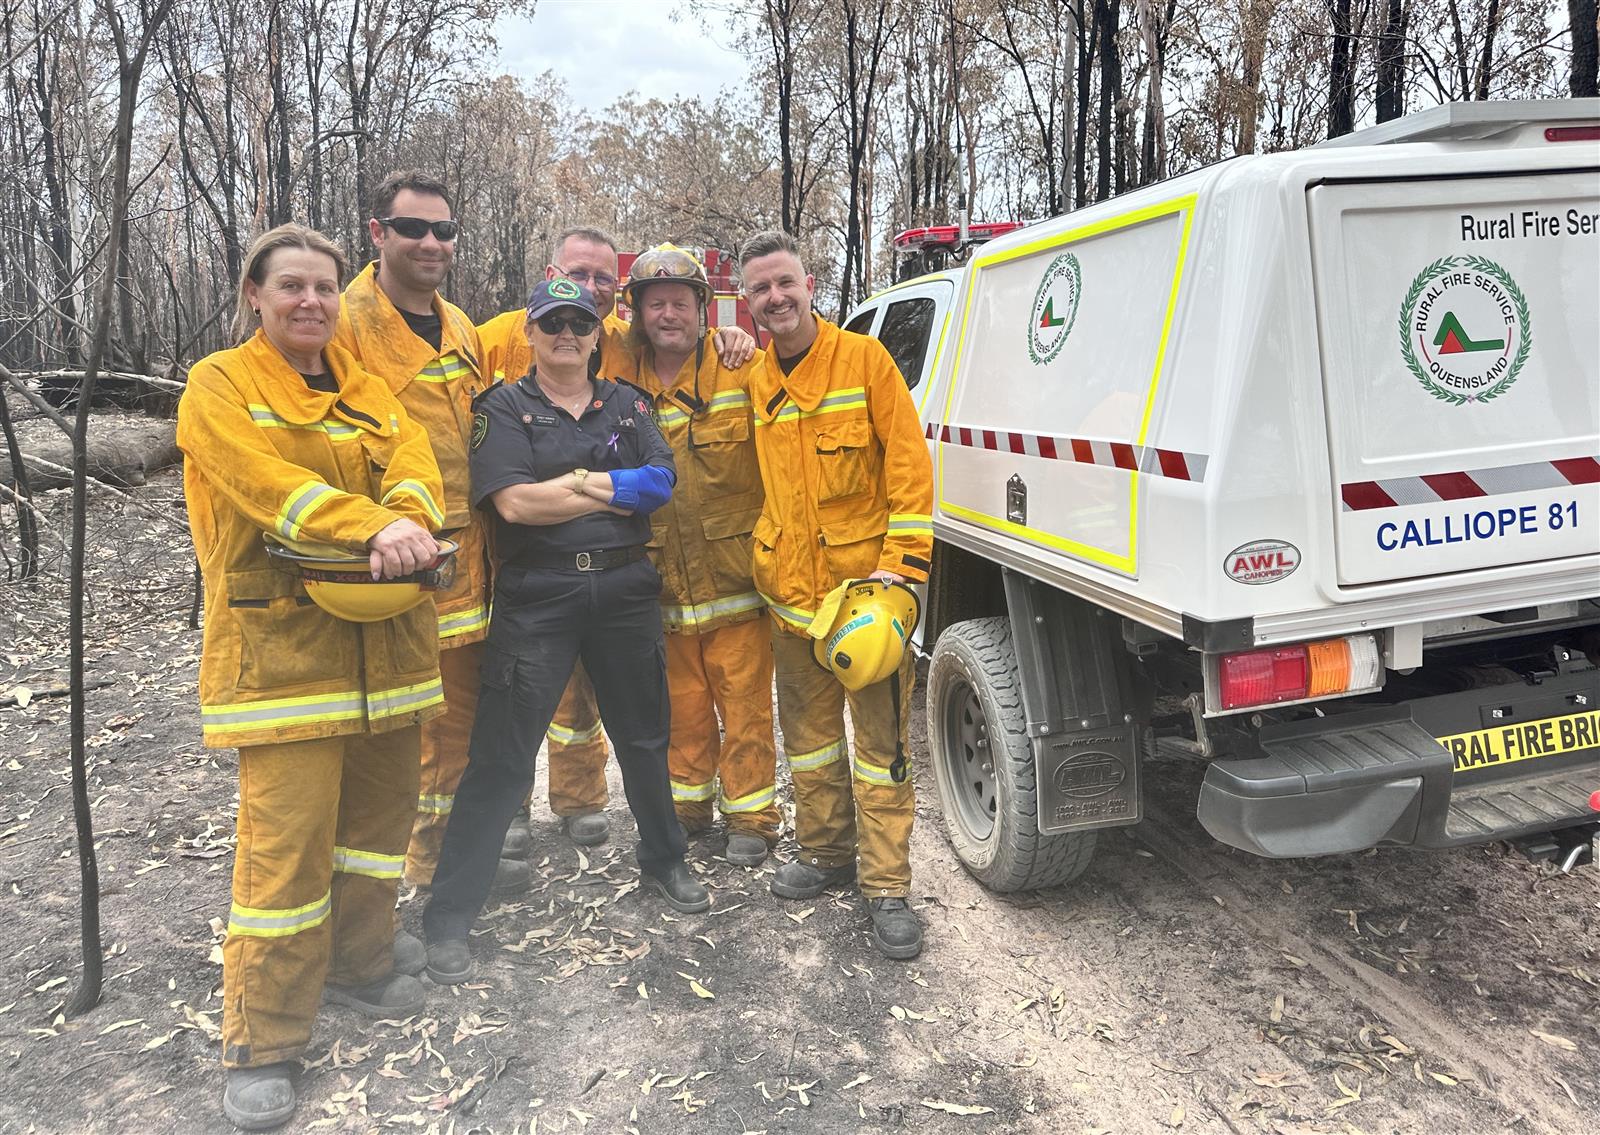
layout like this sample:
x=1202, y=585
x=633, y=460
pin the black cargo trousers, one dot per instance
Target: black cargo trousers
x=543, y=620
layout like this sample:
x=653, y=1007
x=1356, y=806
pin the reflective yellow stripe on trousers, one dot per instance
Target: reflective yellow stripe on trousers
x=373, y=864
x=681, y=791
x=255, y=922
x=872, y=774
x=817, y=758
x=439, y=804
x=561, y=735
x=754, y=802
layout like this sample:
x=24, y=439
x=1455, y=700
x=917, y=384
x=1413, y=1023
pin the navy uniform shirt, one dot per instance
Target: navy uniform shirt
x=520, y=437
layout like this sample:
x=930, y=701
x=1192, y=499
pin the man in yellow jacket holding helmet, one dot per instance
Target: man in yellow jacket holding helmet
x=849, y=496
x=399, y=328
x=719, y=654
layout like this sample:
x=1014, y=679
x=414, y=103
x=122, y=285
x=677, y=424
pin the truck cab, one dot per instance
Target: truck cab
x=1290, y=465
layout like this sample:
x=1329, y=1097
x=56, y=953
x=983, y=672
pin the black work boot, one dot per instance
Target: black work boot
x=398, y=995
x=681, y=890
x=409, y=954
x=511, y=877
x=449, y=961
x=519, y=838
x=258, y=1099
x=896, y=930
x=746, y=849
x=588, y=829
x=803, y=881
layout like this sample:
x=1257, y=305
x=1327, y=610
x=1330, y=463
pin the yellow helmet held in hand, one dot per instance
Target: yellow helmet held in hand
x=340, y=581
x=666, y=264
x=861, y=630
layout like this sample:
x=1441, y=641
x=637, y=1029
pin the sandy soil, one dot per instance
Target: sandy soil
x=1177, y=985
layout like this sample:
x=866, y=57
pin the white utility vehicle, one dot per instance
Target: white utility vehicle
x=1293, y=461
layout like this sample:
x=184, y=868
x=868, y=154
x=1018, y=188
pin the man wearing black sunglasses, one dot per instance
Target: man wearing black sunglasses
x=398, y=326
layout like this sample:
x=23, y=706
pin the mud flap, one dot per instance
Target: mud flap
x=1075, y=690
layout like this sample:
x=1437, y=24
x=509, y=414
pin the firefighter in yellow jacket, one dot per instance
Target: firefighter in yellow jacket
x=286, y=436
x=719, y=651
x=399, y=328
x=849, y=496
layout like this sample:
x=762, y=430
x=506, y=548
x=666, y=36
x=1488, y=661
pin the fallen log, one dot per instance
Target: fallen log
x=124, y=449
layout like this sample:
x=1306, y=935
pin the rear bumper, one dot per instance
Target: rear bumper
x=1376, y=777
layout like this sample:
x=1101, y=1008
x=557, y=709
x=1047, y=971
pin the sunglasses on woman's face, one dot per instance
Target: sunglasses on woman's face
x=555, y=324
x=415, y=228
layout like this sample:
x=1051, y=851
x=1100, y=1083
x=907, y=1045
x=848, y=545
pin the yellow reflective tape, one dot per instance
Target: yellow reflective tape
x=564, y=736
x=849, y=398
x=461, y=622
x=727, y=399
x=872, y=774
x=693, y=791
x=279, y=712
x=298, y=506
x=754, y=802
x=373, y=864
x=266, y=418
x=694, y=614
x=405, y=699
x=817, y=758
x=439, y=804
x=796, y=616
x=261, y=922
x=418, y=491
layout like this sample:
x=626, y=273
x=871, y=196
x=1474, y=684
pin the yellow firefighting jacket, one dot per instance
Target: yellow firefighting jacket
x=506, y=353
x=436, y=388
x=700, y=539
x=266, y=453
x=848, y=480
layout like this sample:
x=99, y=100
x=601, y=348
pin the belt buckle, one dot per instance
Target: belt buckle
x=585, y=562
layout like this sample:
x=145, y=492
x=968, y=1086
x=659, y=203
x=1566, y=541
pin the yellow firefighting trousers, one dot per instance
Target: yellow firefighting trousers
x=723, y=673
x=845, y=803
x=322, y=836
x=577, y=756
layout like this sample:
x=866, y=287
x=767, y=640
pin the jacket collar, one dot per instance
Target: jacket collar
x=388, y=346
x=289, y=397
x=808, y=383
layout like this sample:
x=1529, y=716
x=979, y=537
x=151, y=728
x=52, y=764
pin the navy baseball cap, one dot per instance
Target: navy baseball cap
x=550, y=294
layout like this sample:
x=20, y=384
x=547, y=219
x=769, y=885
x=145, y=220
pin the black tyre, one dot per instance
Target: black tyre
x=983, y=763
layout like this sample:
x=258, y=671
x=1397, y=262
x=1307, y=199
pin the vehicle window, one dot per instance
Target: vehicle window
x=905, y=332
x=862, y=323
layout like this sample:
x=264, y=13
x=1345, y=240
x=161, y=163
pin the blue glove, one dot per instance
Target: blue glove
x=641, y=490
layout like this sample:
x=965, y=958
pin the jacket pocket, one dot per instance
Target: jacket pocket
x=723, y=455
x=284, y=638
x=764, y=555
x=852, y=544
x=843, y=459
x=413, y=639
x=730, y=549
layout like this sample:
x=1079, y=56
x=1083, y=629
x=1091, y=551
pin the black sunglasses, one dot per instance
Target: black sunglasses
x=555, y=324
x=415, y=228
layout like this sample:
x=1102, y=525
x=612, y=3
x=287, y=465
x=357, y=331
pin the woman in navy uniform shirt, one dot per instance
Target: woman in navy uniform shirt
x=570, y=468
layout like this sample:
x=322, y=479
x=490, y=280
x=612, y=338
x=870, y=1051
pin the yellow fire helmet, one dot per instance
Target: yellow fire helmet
x=859, y=634
x=340, y=581
x=666, y=263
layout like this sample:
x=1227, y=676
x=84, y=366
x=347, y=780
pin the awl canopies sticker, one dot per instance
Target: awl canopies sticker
x=1055, y=308
x=1465, y=329
x=1263, y=561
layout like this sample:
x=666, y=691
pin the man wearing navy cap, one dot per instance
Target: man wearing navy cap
x=569, y=468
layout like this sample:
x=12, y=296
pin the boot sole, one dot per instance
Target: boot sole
x=745, y=860
x=448, y=977
x=257, y=1120
x=676, y=904
x=588, y=841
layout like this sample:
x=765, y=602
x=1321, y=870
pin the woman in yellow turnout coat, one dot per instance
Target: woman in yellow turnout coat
x=285, y=435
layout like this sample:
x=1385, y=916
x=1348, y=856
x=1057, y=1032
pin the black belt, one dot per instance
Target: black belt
x=580, y=561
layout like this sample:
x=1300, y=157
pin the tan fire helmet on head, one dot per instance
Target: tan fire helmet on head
x=666, y=263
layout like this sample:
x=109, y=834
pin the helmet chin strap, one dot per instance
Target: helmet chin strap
x=897, y=771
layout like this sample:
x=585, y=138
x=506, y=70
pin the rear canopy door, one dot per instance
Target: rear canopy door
x=1459, y=322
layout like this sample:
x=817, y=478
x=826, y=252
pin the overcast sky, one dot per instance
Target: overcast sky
x=604, y=48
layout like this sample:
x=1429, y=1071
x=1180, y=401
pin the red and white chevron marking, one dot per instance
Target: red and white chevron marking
x=1397, y=492
x=1117, y=454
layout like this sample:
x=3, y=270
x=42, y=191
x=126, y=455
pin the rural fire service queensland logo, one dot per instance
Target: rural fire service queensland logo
x=1055, y=307
x=1464, y=329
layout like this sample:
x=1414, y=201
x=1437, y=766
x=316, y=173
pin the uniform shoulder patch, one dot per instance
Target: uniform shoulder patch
x=480, y=428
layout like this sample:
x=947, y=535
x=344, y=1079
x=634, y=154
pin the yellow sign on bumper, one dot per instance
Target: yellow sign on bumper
x=1526, y=741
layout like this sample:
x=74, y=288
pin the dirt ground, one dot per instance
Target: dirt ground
x=1178, y=986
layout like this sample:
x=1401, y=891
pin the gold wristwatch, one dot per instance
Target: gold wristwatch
x=581, y=475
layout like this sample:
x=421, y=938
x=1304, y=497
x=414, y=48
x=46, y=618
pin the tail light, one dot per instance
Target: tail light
x=1572, y=134
x=1301, y=672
